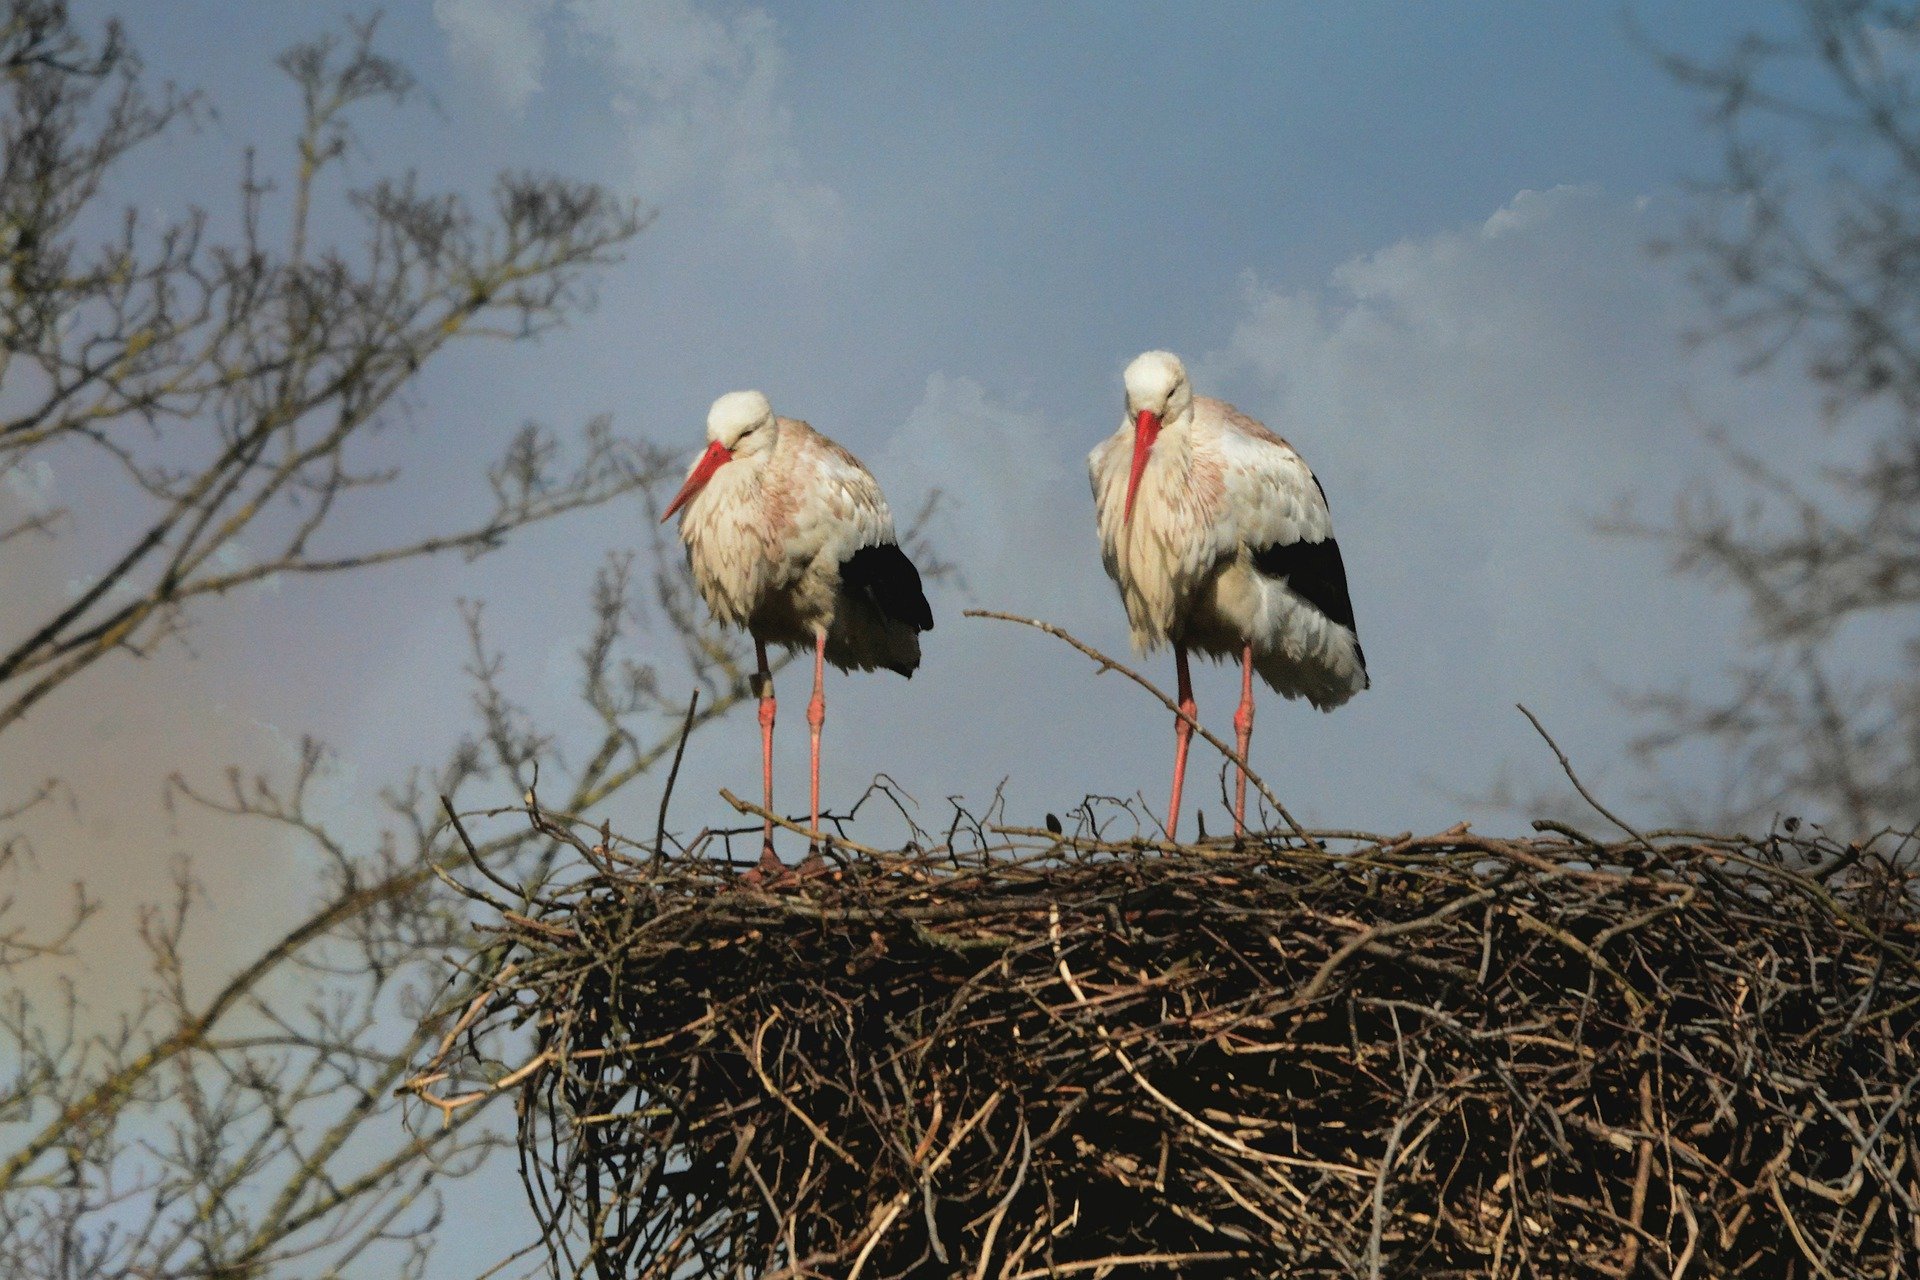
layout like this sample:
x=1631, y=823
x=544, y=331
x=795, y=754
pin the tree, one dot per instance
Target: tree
x=1807, y=253
x=235, y=386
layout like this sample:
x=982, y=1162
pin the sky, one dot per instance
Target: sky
x=1411, y=238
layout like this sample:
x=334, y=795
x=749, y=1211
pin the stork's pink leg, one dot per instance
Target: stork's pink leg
x=817, y=716
x=1243, y=735
x=768, y=862
x=1182, y=737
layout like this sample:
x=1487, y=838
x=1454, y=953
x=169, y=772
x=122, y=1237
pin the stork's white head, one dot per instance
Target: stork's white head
x=1157, y=393
x=740, y=424
x=1157, y=384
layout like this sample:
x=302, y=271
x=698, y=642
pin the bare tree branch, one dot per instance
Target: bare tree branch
x=1807, y=252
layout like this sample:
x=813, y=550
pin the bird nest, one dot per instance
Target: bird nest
x=1063, y=1055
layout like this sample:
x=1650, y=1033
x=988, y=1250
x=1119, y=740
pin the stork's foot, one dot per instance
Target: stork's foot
x=775, y=874
x=770, y=871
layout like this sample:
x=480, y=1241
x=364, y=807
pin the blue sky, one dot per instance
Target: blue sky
x=1409, y=236
x=1013, y=184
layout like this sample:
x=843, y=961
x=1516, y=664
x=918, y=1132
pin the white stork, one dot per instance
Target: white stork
x=1218, y=536
x=789, y=537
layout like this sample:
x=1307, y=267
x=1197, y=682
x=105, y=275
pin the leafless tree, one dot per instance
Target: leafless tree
x=234, y=382
x=1807, y=251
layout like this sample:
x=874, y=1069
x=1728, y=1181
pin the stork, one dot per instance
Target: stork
x=788, y=536
x=1218, y=536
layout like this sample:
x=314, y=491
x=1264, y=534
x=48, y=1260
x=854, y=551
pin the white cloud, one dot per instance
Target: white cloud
x=29, y=482
x=702, y=95
x=500, y=40
x=1004, y=492
x=1472, y=400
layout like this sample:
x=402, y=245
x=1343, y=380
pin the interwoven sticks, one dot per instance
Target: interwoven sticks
x=1437, y=1057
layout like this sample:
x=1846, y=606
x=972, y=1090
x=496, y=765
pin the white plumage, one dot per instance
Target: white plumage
x=788, y=535
x=1220, y=540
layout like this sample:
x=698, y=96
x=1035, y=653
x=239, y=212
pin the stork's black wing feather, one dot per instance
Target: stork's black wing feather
x=1314, y=572
x=884, y=577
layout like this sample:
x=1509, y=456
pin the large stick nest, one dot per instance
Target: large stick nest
x=1051, y=1056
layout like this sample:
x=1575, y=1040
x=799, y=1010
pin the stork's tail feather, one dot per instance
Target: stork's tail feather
x=884, y=578
x=881, y=613
x=1327, y=678
x=863, y=640
x=1314, y=572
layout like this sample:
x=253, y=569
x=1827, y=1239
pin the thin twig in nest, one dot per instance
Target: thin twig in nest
x=1112, y=664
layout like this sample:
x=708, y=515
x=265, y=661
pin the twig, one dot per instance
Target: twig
x=1566, y=766
x=673, y=773
x=1111, y=664
x=760, y=811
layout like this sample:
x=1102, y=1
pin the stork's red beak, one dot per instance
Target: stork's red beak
x=1144, y=431
x=711, y=461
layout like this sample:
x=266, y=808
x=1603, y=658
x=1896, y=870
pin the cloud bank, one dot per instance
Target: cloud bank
x=702, y=97
x=500, y=41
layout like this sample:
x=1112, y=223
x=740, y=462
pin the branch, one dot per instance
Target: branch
x=1109, y=664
